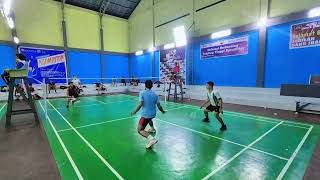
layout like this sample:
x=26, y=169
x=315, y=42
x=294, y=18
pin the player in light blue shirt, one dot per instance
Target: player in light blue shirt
x=148, y=102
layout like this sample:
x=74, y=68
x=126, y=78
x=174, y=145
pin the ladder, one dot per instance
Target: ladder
x=19, y=75
x=176, y=83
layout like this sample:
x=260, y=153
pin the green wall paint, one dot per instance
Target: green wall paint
x=231, y=13
x=140, y=26
x=283, y=7
x=40, y=23
x=5, y=34
x=82, y=28
x=166, y=10
x=228, y=14
x=116, y=34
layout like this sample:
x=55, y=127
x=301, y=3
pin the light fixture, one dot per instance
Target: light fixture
x=10, y=22
x=7, y=7
x=262, y=22
x=220, y=34
x=314, y=12
x=138, y=53
x=152, y=49
x=169, y=46
x=16, y=40
x=180, y=36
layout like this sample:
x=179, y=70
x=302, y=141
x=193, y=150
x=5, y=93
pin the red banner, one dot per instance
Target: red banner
x=305, y=35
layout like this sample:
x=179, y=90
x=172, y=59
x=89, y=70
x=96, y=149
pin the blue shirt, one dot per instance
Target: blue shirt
x=150, y=100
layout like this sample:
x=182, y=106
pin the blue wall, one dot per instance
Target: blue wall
x=7, y=59
x=116, y=65
x=84, y=65
x=141, y=66
x=284, y=65
x=227, y=71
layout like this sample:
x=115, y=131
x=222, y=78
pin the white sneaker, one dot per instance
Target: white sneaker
x=151, y=143
x=151, y=130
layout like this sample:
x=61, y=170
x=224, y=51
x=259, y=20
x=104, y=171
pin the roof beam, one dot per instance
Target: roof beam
x=104, y=6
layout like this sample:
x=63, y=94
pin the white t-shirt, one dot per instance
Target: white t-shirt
x=76, y=82
x=214, y=97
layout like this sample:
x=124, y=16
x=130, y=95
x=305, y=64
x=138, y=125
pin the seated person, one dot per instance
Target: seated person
x=136, y=82
x=100, y=87
x=35, y=96
x=21, y=62
x=123, y=81
x=4, y=89
x=52, y=86
x=114, y=82
x=17, y=94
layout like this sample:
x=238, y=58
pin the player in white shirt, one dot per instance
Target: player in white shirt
x=76, y=82
x=215, y=100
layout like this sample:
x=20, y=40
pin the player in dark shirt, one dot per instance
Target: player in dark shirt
x=72, y=94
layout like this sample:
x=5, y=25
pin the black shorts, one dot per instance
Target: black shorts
x=213, y=108
x=74, y=94
x=144, y=122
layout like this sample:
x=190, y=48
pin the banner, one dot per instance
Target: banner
x=172, y=61
x=305, y=35
x=45, y=63
x=225, y=48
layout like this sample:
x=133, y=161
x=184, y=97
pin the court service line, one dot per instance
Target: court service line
x=73, y=164
x=111, y=102
x=3, y=107
x=239, y=153
x=88, y=105
x=94, y=124
x=264, y=119
x=90, y=146
x=222, y=139
x=104, y=122
x=269, y=121
x=254, y=116
x=286, y=167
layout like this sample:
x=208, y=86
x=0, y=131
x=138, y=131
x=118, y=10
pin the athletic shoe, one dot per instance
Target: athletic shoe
x=152, y=130
x=151, y=143
x=206, y=120
x=223, y=127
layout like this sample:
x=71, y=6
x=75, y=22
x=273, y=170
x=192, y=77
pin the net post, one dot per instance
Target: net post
x=45, y=97
x=165, y=90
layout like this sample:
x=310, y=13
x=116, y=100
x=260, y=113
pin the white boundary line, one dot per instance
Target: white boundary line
x=286, y=167
x=239, y=153
x=254, y=116
x=3, y=106
x=104, y=122
x=237, y=114
x=100, y=102
x=88, y=105
x=90, y=146
x=181, y=106
x=111, y=102
x=94, y=124
x=231, y=142
x=264, y=119
x=74, y=166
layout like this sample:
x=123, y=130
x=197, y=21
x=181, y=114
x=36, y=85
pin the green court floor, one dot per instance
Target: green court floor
x=97, y=139
x=3, y=109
